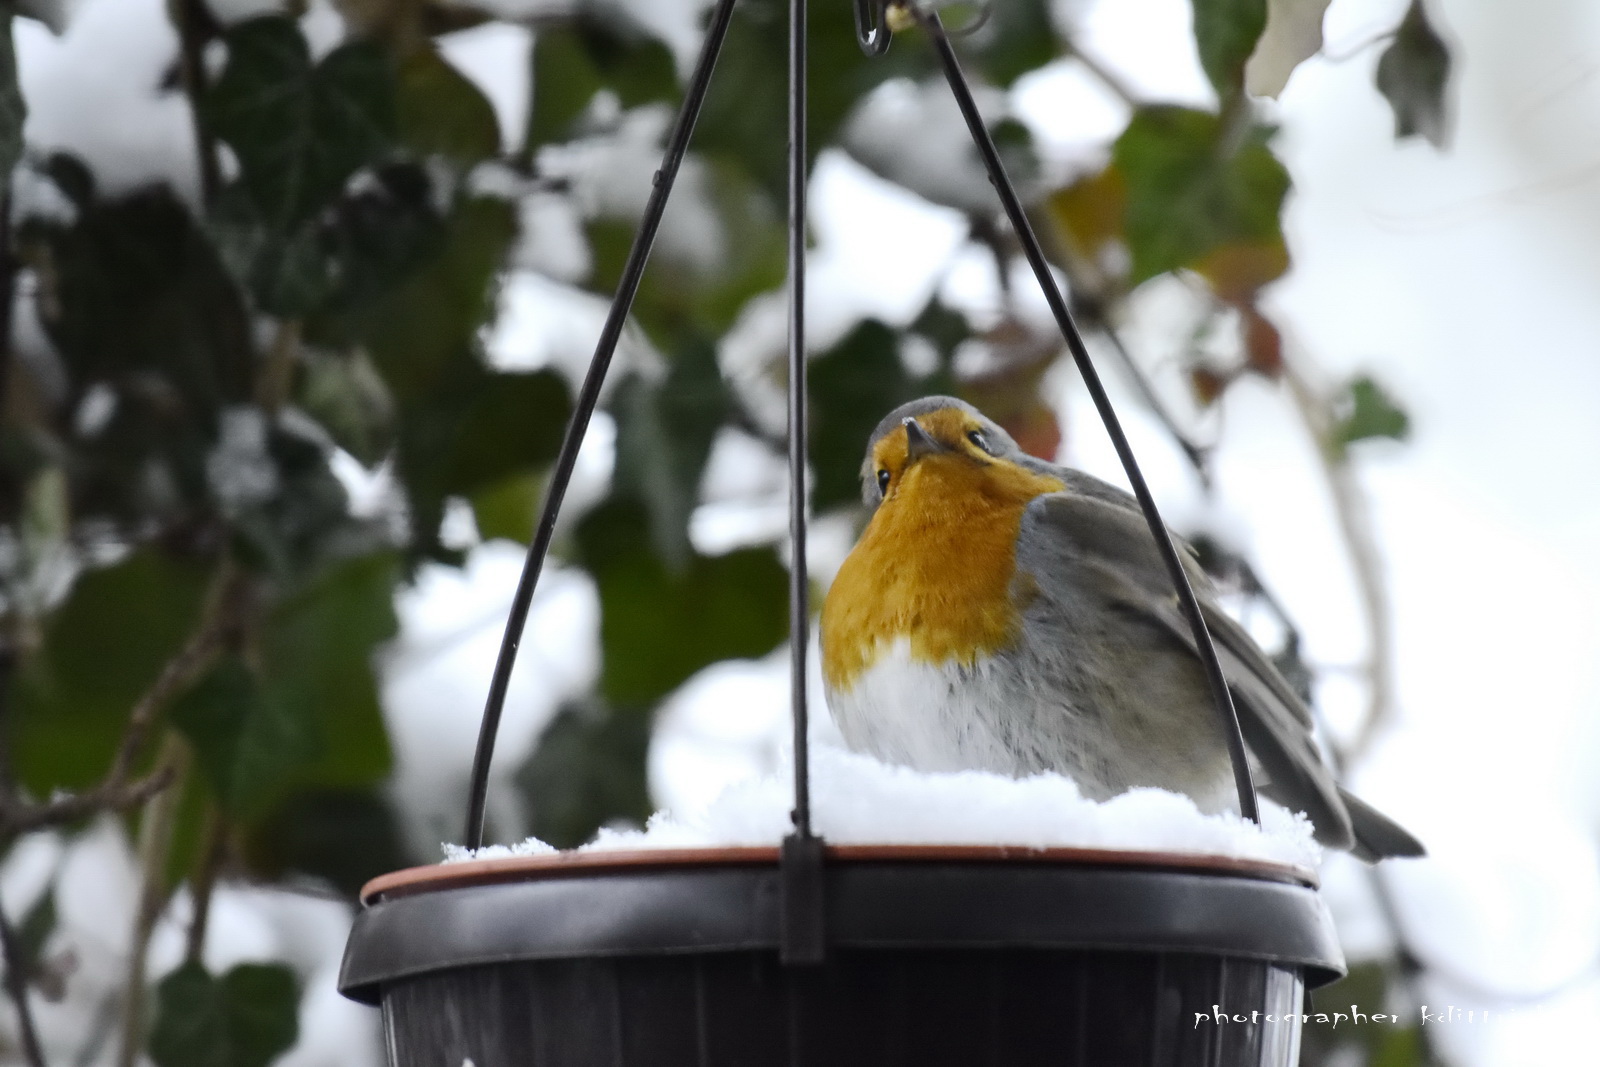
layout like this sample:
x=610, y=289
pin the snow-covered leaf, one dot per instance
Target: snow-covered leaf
x=1293, y=35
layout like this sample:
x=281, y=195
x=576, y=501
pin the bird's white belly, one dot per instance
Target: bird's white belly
x=930, y=717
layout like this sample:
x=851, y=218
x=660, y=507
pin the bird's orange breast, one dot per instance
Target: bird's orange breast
x=935, y=566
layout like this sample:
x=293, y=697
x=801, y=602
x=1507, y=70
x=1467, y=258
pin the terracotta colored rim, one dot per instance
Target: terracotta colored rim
x=440, y=876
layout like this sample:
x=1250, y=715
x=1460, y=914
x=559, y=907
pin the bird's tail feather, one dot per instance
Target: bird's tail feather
x=1377, y=836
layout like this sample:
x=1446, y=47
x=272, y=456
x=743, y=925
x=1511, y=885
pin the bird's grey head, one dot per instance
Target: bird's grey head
x=970, y=426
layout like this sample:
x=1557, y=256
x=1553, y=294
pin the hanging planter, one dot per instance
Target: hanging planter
x=935, y=955
x=812, y=954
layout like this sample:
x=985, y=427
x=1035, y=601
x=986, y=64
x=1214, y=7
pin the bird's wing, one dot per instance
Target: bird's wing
x=1104, y=534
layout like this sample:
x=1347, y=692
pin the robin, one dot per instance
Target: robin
x=1005, y=614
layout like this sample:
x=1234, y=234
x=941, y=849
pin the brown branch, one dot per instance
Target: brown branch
x=277, y=370
x=1103, y=74
x=16, y=983
x=212, y=850
x=1199, y=456
x=155, y=842
x=119, y=790
x=1355, y=526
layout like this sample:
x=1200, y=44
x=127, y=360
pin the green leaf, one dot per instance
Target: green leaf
x=345, y=837
x=854, y=385
x=508, y=508
x=247, y=744
x=1189, y=195
x=1413, y=74
x=1226, y=32
x=443, y=113
x=384, y=233
x=480, y=430
x=13, y=109
x=515, y=423
x=576, y=59
x=587, y=771
x=300, y=130
x=347, y=397
x=306, y=714
x=1369, y=412
x=138, y=300
x=101, y=650
x=424, y=330
x=658, y=627
x=247, y=1018
x=665, y=431
x=317, y=652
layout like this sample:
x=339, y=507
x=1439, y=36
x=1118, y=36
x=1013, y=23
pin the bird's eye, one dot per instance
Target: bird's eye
x=883, y=482
x=977, y=438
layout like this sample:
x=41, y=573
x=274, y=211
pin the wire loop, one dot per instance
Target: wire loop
x=872, y=26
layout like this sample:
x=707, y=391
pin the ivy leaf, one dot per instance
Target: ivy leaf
x=1370, y=412
x=657, y=626
x=246, y=1018
x=577, y=58
x=1089, y=215
x=345, y=837
x=442, y=113
x=306, y=714
x=317, y=651
x=481, y=430
x=246, y=744
x=300, y=130
x=13, y=109
x=347, y=397
x=587, y=771
x=665, y=431
x=102, y=649
x=515, y=424
x=138, y=300
x=1226, y=32
x=508, y=508
x=1187, y=196
x=1413, y=73
x=423, y=330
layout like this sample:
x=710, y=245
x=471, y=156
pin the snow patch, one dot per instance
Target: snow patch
x=856, y=800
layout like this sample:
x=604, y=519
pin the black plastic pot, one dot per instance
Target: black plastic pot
x=948, y=955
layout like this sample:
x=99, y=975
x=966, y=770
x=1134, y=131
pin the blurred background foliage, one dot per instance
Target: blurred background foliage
x=191, y=599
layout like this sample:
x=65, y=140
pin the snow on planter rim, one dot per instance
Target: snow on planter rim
x=856, y=800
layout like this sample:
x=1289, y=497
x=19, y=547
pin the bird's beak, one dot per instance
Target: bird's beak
x=918, y=443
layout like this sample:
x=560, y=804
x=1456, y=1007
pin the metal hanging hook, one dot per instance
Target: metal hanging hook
x=872, y=26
